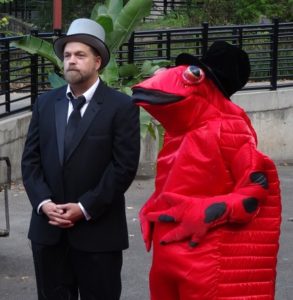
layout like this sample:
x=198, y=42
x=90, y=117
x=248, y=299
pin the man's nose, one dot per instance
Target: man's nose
x=72, y=59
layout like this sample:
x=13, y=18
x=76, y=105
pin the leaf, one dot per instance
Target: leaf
x=98, y=10
x=127, y=90
x=55, y=80
x=148, y=67
x=162, y=62
x=107, y=23
x=100, y=15
x=128, y=70
x=131, y=14
x=36, y=45
x=161, y=132
x=110, y=73
x=114, y=8
x=145, y=123
x=151, y=130
x=145, y=117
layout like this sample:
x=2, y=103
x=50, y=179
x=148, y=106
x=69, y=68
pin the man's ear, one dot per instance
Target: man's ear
x=98, y=62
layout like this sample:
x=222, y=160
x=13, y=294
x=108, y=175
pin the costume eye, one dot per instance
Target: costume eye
x=193, y=75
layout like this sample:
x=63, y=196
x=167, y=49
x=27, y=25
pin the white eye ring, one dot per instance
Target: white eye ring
x=193, y=75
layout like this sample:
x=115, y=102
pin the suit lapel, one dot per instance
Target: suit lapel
x=90, y=113
x=61, y=110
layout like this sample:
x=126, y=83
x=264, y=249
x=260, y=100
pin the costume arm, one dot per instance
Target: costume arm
x=195, y=216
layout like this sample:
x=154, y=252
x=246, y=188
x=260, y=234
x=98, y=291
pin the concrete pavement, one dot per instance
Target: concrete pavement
x=17, y=280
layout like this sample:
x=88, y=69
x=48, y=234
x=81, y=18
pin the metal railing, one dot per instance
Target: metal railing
x=270, y=48
x=4, y=186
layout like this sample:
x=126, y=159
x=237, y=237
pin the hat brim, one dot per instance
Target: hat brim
x=87, y=39
x=188, y=59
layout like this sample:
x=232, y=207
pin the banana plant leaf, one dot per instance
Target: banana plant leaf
x=55, y=80
x=36, y=45
x=114, y=8
x=101, y=16
x=110, y=74
x=131, y=14
x=146, y=124
x=128, y=70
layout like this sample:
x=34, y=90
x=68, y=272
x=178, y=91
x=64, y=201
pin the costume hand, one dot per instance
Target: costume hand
x=55, y=215
x=146, y=225
x=194, y=217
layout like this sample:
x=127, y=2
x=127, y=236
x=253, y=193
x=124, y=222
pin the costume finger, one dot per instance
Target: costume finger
x=197, y=238
x=173, y=214
x=175, y=235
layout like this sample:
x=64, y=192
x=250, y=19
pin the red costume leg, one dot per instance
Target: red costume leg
x=162, y=287
x=180, y=272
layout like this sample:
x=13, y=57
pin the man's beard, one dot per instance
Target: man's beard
x=75, y=77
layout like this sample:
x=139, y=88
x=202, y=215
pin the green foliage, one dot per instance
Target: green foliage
x=173, y=20
x=35, y=45
x=224, y=12
x=4, y=22
x=119, y=21
x=55, y=80
x=130, y=74
x=283, y=9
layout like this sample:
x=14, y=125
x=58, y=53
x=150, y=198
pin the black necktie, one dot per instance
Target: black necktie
x=73, y=122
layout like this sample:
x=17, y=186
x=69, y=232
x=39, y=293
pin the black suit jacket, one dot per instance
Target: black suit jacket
x=97, y=172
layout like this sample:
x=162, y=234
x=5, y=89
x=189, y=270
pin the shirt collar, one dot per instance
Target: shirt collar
x=87, y=94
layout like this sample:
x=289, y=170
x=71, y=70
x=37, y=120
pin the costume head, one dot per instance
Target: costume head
x=189, y=90
x=88, y=32
x=227, y=65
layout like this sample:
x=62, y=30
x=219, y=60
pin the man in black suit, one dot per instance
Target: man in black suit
x=80, y=156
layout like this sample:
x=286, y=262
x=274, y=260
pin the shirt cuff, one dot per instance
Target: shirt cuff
x=39, y=211
x=86, y=215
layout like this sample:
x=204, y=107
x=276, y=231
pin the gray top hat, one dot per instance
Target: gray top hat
x=88, y=32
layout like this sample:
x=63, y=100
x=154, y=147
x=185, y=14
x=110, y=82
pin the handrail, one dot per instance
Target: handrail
x=270, y=48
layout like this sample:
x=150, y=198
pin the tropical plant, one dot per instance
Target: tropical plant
x=119, y=21
x=129, y=75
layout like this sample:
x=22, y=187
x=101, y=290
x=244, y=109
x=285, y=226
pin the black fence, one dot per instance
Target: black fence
x=270, y=48
x=20, y=9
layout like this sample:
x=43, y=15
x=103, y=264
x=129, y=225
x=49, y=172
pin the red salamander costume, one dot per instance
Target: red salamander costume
x=214, y=217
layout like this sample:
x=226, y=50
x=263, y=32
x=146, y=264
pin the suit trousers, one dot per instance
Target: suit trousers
x=63, y=273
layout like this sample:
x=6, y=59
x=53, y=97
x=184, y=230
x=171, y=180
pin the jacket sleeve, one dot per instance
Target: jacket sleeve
x=32, y=174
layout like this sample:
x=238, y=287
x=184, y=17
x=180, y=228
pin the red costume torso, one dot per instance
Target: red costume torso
x=209, y=156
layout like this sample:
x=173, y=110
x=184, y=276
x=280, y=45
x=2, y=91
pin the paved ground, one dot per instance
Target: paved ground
x=16, y=268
